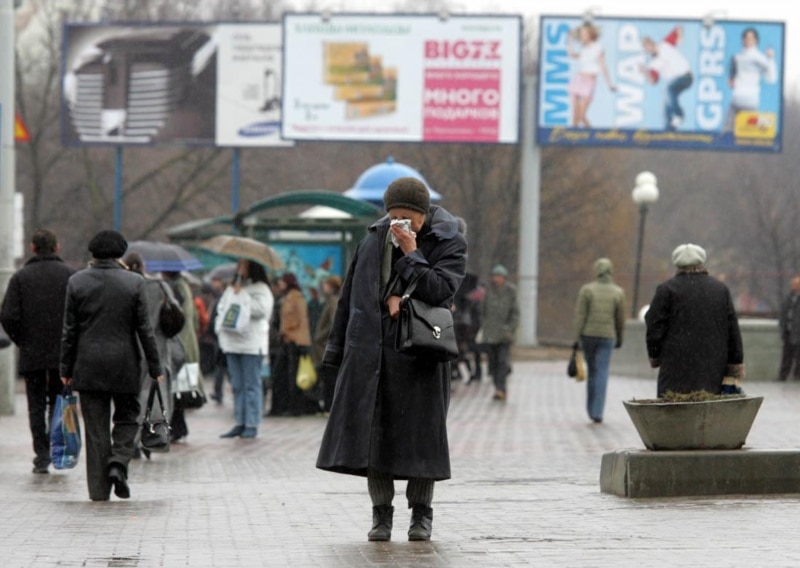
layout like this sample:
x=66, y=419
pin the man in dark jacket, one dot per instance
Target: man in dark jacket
x=32, y=314
x=106, y=311
x=790, y=332
x=388, y=420
x=693, y=335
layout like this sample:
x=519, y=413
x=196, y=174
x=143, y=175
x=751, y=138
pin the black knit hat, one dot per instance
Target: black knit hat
x=108, y=244
x=407, y=192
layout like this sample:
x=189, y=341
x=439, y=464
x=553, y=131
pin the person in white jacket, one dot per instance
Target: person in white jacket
x=747, y=69
x=242, y=325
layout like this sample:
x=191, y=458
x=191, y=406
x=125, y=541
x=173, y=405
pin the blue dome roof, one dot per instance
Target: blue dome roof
x=371, y=185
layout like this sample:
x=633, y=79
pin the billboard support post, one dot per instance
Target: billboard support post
x=235, y=173
x=529, y=202
x=118, y=189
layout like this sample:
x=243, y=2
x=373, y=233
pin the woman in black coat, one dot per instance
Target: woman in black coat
x=389, y=412
x=692, y=330
x=106, y=311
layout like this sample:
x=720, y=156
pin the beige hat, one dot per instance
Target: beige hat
x=688, y=255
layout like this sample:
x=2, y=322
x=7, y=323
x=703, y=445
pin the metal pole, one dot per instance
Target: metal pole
x=7, y=187
x=118, y=190
x=530, y=178
x=635, y=303
x=235, y=181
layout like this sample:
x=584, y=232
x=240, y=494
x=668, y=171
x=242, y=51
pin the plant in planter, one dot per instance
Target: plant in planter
x=694, y=421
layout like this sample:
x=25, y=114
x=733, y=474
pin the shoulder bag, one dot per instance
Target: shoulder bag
x=424, y=330
x=186, y=387
x=171, y=318
x=155, y=433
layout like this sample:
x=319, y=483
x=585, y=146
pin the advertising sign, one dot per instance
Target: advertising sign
x=656, y=83
x=407, y=78
x=181, y=83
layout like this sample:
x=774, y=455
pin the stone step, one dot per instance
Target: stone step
x=646, y=473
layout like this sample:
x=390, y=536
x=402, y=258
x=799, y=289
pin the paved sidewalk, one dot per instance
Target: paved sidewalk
x=524, y=492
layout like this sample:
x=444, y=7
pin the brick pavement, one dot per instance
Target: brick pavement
x=524, y=492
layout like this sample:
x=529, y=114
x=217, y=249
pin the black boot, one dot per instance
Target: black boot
x=381, y=523
x=421, y=523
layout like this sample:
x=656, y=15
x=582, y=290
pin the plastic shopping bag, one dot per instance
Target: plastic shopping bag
x=306, y=373
x=65, y=431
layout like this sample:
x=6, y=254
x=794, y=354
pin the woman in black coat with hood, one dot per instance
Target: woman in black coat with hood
x=106, y=312
x=389, y=412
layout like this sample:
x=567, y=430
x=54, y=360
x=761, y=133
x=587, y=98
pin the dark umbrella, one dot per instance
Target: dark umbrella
x=165, y=257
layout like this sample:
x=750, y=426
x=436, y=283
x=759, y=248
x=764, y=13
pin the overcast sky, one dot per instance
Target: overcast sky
x=787, y=11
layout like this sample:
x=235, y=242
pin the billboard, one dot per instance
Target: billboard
x=180, y=83
x=404, y=78
x=658, y=83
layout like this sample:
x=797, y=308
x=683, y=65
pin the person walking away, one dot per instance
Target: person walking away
x=693, y=335
x=389, y=415
x=500, y=317
x=789, y=323
x=105, y=315
x=599, y=328
x=32, y=315
x=245, y=350
x=330, y=286
x=188, y=339
x=156, y=292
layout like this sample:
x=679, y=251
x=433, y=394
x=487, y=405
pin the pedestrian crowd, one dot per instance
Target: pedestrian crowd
x=110, y=331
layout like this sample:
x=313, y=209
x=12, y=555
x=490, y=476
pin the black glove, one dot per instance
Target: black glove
x=575, y=346
x=618, y=344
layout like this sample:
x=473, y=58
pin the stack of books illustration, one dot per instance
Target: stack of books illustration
x=360, y=79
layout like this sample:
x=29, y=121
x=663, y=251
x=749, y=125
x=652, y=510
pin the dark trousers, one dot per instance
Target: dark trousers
x=789, y=357
x=499, y=364
x=108, y=445
x=41, y=388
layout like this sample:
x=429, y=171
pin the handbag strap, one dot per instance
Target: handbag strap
x=411, y=286
x=155, y=391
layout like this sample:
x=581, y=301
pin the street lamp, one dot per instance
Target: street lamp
x=645, y=193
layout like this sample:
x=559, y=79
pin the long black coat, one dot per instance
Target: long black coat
x=389, y=409
x=693, y=333
x=106, y=311
x=33, y=311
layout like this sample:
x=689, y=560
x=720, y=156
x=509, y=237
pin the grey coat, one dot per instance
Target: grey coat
x=789, y=319
x=389, y=409
x=105, y=314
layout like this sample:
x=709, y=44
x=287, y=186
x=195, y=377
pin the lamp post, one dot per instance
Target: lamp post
x=644, y=194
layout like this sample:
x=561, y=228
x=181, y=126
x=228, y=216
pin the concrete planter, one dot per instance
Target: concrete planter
x=709, y=425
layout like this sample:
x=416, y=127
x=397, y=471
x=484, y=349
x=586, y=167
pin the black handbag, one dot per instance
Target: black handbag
x=155, y=433
x=171, y=318
x=424, y=330
x=572, y=366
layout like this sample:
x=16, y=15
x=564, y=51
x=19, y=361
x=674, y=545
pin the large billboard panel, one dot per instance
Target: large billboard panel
x=179, y=83
x=657, y=83
x=405, y=78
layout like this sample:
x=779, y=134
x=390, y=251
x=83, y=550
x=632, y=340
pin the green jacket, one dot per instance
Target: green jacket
x=500, y=314
x=600, y=309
